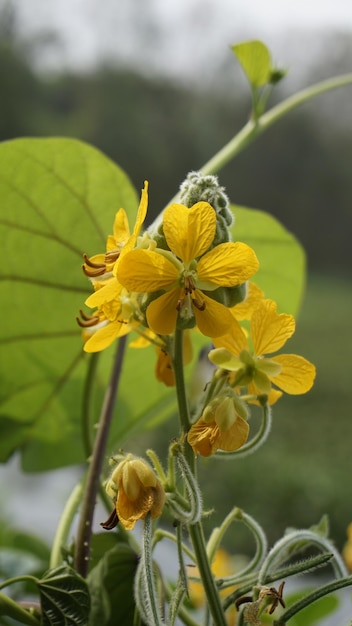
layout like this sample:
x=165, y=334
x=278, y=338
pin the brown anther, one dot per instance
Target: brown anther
x=112, y=256
x=87, y=320
x=277, y=595
x=243, y=600
x=92, y=273
x=91, y=263
x=92, y=269
x=189, y=285
x=199, y=305
x=111, y=522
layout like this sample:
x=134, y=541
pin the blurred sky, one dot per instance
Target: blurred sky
x=176, y=37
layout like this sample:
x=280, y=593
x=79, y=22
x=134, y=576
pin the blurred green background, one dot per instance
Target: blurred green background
x=300, y=171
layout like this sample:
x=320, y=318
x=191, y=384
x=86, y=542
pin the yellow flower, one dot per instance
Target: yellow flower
x=114, y=316
x=187, y=272
x=220, y=427
x=269, y=332
x=138, y=491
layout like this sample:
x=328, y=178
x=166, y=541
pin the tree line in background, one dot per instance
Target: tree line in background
x=299, y=170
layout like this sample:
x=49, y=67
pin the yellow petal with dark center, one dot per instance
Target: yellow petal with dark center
x=189, y=232
x=269, y=329
x=146, y=271
x=228, y=264
x=162, y=312
x=297, y=374
x=215, y=319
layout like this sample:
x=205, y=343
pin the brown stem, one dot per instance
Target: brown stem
x=96, y=463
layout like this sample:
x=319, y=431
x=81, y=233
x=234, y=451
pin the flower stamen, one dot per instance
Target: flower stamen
x=92, y=269
x=198, y=304
x=87, y=320
x=112, y=256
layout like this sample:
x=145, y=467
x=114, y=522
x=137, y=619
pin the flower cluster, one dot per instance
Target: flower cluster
x=185, y=275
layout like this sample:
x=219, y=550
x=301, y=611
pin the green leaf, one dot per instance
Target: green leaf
x=282, y=272
x=314, y=613
x=58, y=199
x=64, y=598
x=111, y=588
x=255, y=60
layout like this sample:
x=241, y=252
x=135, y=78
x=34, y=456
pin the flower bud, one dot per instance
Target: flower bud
x=136, y=490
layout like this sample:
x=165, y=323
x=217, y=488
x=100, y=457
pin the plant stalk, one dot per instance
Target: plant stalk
x=96, y=463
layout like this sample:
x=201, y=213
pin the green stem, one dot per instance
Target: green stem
x=301, y=567
x=183, y=408
x=65, y=524
x=312, y=597
x=182, y=613
x=254, y=128
x=96, y=463
x=195, y=530
x=11, y=609
x=152, y=605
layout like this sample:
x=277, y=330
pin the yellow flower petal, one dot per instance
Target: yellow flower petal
x=141, y=213
x=270, y=330
x=206, y=437
x=162, y=312
x=228, y=264
x=110, y=291
x=235, y=340
x=130, y=511
x=203, y=436
x=215, y=319
x=163, y=369
x=105, y=336
x=245, y=309
x=297, y=374
x=121, y=230
x=146, y=271
x=189, y=232
x=235, y=436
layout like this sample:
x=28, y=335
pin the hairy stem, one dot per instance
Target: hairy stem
x=195, y=530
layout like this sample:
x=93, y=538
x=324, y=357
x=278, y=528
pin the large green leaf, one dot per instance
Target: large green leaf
x=58, y=199
x=282, y=271
x=111, y=587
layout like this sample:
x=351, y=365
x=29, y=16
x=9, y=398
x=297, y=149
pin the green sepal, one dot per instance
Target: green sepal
x=228, y=296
